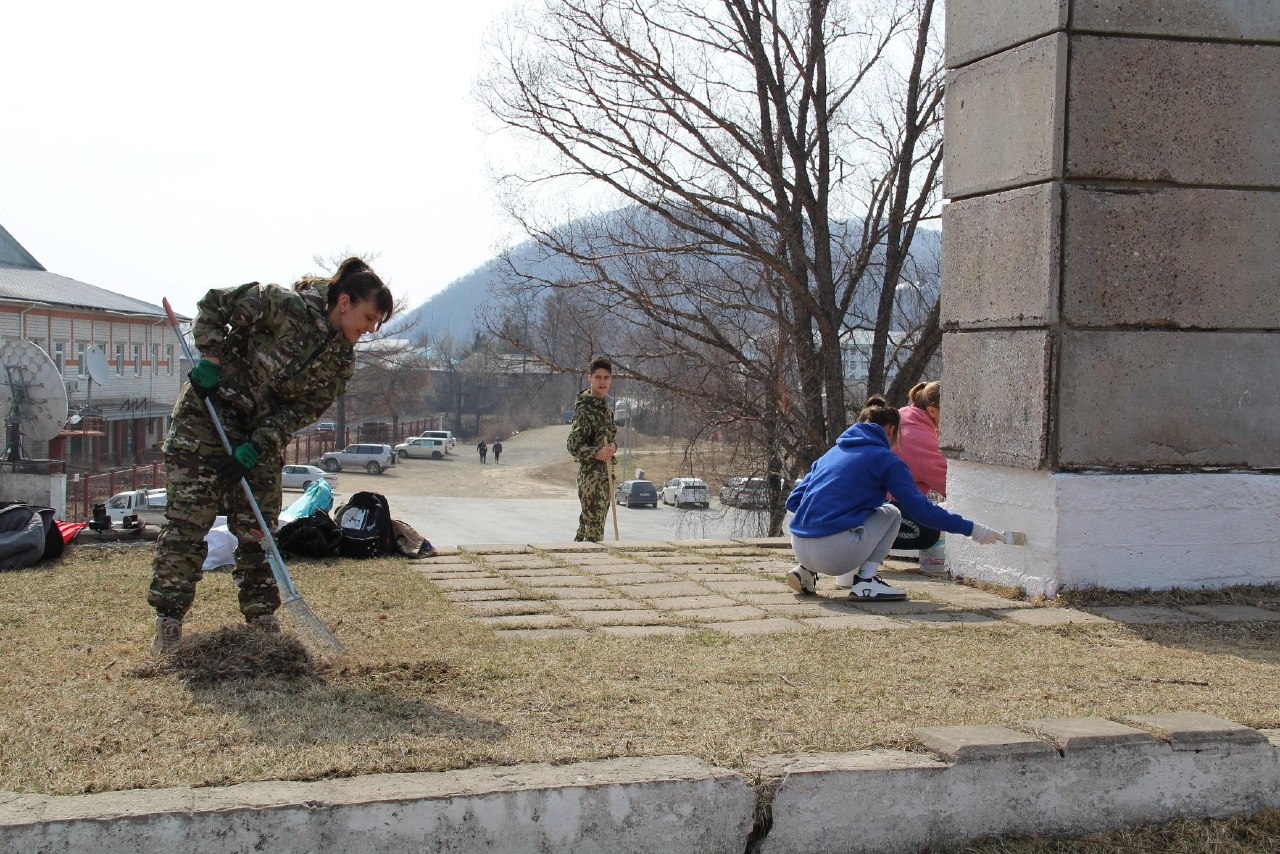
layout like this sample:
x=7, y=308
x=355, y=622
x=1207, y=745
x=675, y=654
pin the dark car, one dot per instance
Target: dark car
x=636, y=493
x=746, y=492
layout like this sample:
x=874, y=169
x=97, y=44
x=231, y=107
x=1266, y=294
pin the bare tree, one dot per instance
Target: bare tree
x=773, y=187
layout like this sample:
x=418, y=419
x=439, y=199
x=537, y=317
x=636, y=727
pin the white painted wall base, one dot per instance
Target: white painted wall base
x=1118, y=531
x=41, y=490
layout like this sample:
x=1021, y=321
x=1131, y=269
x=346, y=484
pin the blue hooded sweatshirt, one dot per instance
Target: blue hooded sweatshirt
x=851, y=479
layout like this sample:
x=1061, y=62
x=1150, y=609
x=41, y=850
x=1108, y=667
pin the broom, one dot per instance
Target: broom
x=310, y=627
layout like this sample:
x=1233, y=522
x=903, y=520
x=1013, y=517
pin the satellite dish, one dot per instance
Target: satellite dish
x=96, y=363
x=32, y=395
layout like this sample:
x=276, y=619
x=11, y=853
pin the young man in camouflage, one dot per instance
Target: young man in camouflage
x=591, y=444
x=273, y=359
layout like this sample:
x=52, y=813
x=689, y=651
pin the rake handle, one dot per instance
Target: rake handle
x=275, y=560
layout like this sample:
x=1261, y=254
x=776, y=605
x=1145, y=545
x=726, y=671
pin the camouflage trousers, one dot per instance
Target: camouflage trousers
x=593, y=492
x=196, y=495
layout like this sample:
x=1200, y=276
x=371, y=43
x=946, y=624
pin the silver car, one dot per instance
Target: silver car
x=371, y=458
x=686, y=492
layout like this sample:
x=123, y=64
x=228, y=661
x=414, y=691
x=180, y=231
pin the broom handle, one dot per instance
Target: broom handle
x=613, y=500
x=278, y=569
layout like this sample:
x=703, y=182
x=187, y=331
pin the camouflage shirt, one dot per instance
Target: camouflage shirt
x=592, y=429
x=283, y=365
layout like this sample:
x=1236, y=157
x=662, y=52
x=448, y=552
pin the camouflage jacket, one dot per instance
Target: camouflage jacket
x=592, y=428
x=283, y=365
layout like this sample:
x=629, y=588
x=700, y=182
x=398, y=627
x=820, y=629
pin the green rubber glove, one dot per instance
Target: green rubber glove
x=236, y=465
x=204, y=377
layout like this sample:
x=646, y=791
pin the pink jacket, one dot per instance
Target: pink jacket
x=918, y=448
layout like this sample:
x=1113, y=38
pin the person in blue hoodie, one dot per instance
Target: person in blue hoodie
x=841, y=520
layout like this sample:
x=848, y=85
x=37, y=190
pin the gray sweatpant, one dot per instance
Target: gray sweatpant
x=846, y=551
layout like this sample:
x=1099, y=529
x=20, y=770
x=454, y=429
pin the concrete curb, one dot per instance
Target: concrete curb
x=1050, y=777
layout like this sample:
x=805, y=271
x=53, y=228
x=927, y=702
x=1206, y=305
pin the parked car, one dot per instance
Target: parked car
x=325, y=426
x=682, y=491
x=300, y=477
x=147, y=504
x=446, y=435
x=371, y=458
x=422, y=447
x=748, y=492
x=636, y=493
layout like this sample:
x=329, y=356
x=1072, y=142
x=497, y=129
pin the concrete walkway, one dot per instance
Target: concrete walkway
x=733, y=586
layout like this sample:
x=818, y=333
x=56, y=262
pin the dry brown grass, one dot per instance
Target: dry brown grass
x=423, y=688
x=1239, y=835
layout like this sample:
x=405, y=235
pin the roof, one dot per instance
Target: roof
x=24, y=279
x=23, y=284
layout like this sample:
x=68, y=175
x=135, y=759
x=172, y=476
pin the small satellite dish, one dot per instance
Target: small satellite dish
x=32, y=395
x=96, y=363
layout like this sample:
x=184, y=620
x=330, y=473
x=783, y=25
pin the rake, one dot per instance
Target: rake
x=310, y=627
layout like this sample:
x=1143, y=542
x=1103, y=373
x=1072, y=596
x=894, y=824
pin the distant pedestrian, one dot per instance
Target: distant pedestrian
x=497, y=450
x=483, y=450
x=591, y=444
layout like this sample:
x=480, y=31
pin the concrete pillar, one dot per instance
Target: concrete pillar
x=1111, y=267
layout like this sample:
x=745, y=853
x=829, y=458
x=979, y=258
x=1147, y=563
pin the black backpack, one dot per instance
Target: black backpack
x=365, y=522
x=311, y=536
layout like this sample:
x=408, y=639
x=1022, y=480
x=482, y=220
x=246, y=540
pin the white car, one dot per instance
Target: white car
x=422, y=447
x=147, y=504
x=300, y=477
x=682, y=491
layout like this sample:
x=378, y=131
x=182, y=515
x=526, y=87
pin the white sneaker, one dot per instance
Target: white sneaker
x=802, y=581
x=875, y=589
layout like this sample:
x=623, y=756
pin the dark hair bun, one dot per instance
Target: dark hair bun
x=876, y=400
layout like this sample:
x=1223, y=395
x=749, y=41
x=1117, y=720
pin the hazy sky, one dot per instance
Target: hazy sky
x=160, y=149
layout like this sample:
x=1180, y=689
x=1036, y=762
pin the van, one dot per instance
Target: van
x=447, y=436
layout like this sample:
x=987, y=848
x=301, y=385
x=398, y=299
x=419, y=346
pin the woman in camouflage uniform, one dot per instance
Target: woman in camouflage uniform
x=591, y=444
x=273, y=360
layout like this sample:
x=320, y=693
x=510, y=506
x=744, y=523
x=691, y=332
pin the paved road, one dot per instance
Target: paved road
x=529, y=498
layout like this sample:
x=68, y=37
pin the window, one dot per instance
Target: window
x=168, y=354
x=58, y=355
x=137, y=359
x=119, y=359
x=81, y=366
x=155, y=360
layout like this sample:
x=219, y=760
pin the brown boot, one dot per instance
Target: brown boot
x=168, y=635
x=268, y=623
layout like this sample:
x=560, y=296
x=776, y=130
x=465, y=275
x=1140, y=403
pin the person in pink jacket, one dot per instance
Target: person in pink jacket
x=918, y=438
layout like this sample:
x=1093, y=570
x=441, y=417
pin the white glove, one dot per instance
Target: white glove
x=984, y=535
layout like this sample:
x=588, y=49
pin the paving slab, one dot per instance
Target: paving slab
x=603, y=558
x=442, y=557
x=493, y=549
x=540, y=634
x=625, y=617
x=1078, y=734
x=1048, y=616
x=528, y=621
x=556, y=593
x=805, y=607
x=611, y=603
x=704, y=544
x=773, y=598
x=948, y=620
x=902, y=606
x=1146, y=615
x=481, y=595
x=770, y=625
x=528, y=559
x=449, y=575
x=556, y=548
x=662, y=589
x=678, y=603
x=1196, y=731
x=981, y=743
x=505, y=608
x=864, y=622
x=737, y=612
x=643, y=545
x=766, y=542
x=738, y=551
x=967, y=597
x=557, y=581
x=734, y=586
x=643, y=631
x=631, y=578
x=670, y=558
x=610, y=570
x=706, y=568
x=535, y=572
x=1233, y=613
x=473, y=584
